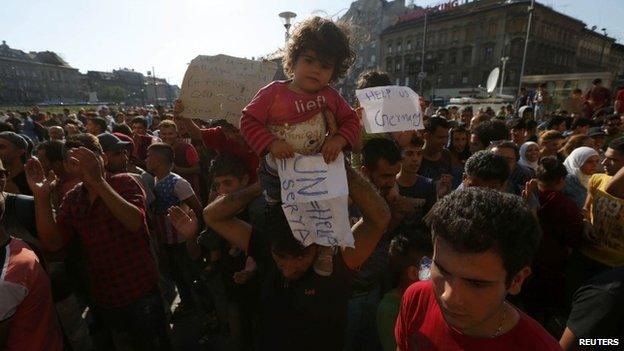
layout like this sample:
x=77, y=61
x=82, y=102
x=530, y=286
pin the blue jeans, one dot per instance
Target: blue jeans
x=141, y=325
x=269, y=181
x=361, y=331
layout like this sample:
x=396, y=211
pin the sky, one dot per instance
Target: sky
x=168, y=34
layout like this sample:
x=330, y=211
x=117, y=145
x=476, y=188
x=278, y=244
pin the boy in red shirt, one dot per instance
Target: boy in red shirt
x=483, y=241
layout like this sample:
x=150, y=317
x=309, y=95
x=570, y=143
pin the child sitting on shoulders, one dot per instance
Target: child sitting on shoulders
x=304, y=114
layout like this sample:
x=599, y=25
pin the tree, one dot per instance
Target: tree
x=114, y=94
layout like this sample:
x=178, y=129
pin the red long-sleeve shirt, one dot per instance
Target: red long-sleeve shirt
x=276, y=104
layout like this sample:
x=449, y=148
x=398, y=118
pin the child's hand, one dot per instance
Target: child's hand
x=280, y=149
x=332, y=147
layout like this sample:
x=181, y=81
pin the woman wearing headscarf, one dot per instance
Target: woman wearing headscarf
x=581, y=164
x=529, y=155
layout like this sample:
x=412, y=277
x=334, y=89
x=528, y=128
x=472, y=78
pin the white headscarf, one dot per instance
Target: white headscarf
x=523, y=161
x=576, y=160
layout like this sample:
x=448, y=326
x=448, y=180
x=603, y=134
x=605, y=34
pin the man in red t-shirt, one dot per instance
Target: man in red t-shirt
x=484, y=241
x=225, y=139
x=27, y=317
x=598, y=96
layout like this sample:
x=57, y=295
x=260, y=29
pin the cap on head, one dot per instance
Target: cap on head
x=110, y=142
x=15, y=139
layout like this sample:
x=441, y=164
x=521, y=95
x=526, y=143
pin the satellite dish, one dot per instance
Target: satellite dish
x=492, y=80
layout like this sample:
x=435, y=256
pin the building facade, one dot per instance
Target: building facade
x=37, y=77
x=367, y=19
x=465, y=40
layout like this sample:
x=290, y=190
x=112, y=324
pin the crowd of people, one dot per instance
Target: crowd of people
x=482, y=231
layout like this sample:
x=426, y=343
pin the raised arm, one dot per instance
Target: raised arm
x=93, y=176
x=191, y=128
x=41, y=186
x=220, y=215
x=375, y=217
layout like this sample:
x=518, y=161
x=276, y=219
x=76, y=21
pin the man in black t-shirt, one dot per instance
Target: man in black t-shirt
x=300, y=309
x=436, y=162
x=597, y=313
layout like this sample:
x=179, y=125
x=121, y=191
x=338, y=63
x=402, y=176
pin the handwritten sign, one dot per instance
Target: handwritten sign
x=324, y=222
x=309, y=178
x=390, y=109
x=220, y=86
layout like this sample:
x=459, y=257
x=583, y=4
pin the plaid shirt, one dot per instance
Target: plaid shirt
x=118, y=262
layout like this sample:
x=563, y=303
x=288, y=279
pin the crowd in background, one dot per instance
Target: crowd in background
x=513, y=217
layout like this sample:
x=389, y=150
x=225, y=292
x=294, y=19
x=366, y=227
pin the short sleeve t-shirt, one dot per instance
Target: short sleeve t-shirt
x=607, y=217
x=26, y=300
x=597, y=308
x=421, y=326
x=309, y=313
x=435, y=169
x=215, y=139
x=165, y=197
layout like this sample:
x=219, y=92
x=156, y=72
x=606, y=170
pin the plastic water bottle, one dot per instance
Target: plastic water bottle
x=425, y=268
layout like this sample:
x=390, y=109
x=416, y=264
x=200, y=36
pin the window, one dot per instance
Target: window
x=389, y=47
x=488, y=51
x=464, y=79
x=389, y=65
x=398, y=66
x=491, y=30
x=517, y=25
x=451, y=79
x=452, y=57
x=399, y=47
x=467, y=55
x=397, y=81
x=470, y=33
x=517, y=47
x=408, y=45
x=373, y=59
x=407, y=81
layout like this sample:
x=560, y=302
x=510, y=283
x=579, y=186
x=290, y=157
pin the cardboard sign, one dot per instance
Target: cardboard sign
x=390, y=109
x=309, y=178
x=221, y=86
x=324, y=222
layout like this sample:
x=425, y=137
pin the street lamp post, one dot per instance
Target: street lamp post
x=287, y=17
x=526, y=44
x=604, y=42
x=504, y=60
x=421, y=75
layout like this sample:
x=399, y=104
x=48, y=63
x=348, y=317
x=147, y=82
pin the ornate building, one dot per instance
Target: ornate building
x=465, y=41
x=36, y=77
x=367, y=19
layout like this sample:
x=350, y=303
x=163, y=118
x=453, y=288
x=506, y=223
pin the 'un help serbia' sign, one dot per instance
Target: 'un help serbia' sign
x=390, y=109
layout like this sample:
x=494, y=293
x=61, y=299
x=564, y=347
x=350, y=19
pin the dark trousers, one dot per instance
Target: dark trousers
x=141, y=325
x=182, y=270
